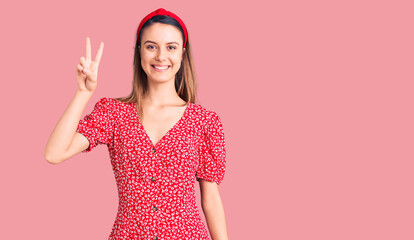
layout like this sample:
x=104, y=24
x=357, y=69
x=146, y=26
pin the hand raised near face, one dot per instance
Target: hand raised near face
x=87, y=70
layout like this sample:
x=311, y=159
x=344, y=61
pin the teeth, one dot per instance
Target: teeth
x=161, y=68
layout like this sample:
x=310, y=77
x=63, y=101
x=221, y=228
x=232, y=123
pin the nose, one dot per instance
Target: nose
x=161, y=54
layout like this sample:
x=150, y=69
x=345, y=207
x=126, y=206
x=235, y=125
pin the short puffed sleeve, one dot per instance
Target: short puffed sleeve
x=212, y=151
x=98, y=125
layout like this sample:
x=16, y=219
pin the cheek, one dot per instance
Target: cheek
x=176, y=59
x=144, y=58
x=143, y=64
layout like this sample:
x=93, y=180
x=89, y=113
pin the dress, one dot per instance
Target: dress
x=156, y=183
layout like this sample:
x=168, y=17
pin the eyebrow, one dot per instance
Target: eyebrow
x=148, y=41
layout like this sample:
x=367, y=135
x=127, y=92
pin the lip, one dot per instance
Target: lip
x=160, y=70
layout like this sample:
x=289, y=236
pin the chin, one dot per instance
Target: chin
x=160, y=78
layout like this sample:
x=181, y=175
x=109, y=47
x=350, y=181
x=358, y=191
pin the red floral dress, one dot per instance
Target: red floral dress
x=156, y=183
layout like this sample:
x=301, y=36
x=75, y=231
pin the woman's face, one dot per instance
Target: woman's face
x=161, y=51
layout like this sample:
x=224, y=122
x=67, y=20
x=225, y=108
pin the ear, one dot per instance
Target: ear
x=182, y=55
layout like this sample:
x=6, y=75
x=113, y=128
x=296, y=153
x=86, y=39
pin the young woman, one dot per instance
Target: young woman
x=159, y=140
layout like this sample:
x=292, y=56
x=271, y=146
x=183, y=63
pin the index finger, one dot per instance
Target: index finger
x=99, y=53
x=88, y=49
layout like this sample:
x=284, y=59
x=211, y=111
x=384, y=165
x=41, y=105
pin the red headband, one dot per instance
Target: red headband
x=162, y=11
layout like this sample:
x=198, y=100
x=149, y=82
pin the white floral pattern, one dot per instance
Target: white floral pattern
x=156, y=183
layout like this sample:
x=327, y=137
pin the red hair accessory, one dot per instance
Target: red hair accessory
x=162, y=11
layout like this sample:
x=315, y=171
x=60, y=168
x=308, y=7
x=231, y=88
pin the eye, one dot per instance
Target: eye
x=149, y=46
x=173, y=47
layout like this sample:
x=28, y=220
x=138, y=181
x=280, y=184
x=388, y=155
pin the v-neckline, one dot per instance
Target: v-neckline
x=141, y=126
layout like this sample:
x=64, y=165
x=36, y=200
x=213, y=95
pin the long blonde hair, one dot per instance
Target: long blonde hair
x=185, y=79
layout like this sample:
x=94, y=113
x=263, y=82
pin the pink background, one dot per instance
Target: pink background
x=315, y=97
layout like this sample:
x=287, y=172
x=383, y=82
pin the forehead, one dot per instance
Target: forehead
x=161, y=33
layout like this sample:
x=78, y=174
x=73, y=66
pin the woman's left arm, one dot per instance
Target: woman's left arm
x=213, y=209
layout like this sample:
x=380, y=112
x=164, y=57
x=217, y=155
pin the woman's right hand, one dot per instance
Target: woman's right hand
x=87, y=70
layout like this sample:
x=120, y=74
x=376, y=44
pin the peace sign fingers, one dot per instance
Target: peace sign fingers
x=89, y=64
x=87, y=70
x=99, y=54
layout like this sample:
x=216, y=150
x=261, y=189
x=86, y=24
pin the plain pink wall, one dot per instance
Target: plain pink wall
x=315, y=98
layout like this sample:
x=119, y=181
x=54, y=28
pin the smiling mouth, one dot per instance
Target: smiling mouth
x=160, y=68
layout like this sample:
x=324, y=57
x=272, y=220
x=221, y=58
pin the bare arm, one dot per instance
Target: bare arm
x=64, y=142
x=213, y=210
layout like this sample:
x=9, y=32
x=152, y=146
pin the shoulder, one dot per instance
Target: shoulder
x=112, y=101
x=106, y=105
x=106, y=101
x=207, y=117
